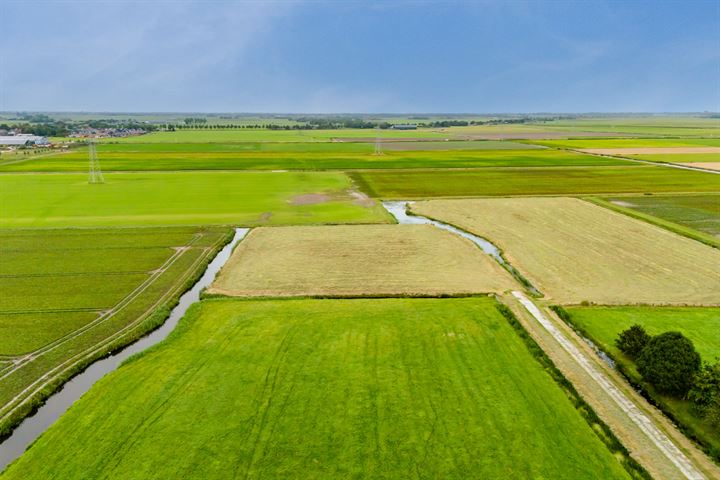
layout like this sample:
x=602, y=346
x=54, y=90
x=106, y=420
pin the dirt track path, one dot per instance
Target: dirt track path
x=43, y=381
x=646, y=433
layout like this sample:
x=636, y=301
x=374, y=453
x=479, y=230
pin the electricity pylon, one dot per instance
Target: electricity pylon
x=95, y=175
x=378, y=144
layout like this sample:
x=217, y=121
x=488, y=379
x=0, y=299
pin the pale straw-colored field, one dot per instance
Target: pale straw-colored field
x=359, y=260
x=574, y=251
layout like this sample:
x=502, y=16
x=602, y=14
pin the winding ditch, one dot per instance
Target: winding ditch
x=399, y=210
x=32, y=427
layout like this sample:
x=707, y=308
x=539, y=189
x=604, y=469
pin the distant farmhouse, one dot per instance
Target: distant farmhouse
x=23, y=140
x=404, y=126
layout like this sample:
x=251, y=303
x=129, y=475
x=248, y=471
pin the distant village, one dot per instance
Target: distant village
x=11, y=139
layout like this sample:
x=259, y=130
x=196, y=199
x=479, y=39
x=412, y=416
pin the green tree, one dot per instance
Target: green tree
x=632, y=341
x=669, y=362
x=705, y=392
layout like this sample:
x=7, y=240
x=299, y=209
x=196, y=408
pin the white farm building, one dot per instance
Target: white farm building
x=22, y=140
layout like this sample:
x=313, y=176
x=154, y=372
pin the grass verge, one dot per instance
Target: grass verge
x=678, y=411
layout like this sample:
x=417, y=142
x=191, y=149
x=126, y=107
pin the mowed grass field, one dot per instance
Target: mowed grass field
x=175, y=198
x=418, y=184
x=302, y=159
x=436, y=388
x=69, y=292
x=575, y=251
x=701, y=325
x=359, y=260
x=700, y=213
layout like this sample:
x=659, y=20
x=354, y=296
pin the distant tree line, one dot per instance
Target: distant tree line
x=195, y=121
x=340, y=122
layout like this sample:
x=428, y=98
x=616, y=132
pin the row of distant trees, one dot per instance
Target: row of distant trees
x=334, y=123
x=670, y=363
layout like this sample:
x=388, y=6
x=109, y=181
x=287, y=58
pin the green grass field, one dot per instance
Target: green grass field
x=72, y=289
x=307, y=147
x=315, y=159
x=252, y=135
x=697, y=212
x=675, y=126
x=701, y=325
x=437, y=388
x=533, y=181
x=629, y=142
x=46, y=274
x=190, y=198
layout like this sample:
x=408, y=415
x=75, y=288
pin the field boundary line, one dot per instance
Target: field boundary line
x=640, y=419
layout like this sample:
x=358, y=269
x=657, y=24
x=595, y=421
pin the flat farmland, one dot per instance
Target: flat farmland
x=327, y=389
x=701, y=325
x=630, y=143
x=690, y=152
x=264, y=135
x=458, y=145
x=574, y=251
x=358, y=260
x=311, y=147
x=399, y=155
x=670, y=126
x=706, y=165
x=700, y=213
x=702, y=160
x=411, y=184
x=67, y=292
x=176, y=198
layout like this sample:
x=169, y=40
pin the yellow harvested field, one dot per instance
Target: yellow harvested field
x=651, y=150
x=358, y=260
x=706, y=165
x=573, y=251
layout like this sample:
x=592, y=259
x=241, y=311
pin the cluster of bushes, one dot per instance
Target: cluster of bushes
x=670, y=363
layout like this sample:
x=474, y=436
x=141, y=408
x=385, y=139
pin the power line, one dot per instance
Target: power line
x=95, y=175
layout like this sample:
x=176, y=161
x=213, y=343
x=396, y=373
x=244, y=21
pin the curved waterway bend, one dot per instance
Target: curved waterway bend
x=399, y=210
x=32, y=427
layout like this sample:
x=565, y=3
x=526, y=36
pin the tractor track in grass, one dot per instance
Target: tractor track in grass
x=105, y=314
x=653, y=440
x=50, y=376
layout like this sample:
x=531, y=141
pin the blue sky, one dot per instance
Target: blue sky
x=355, y=56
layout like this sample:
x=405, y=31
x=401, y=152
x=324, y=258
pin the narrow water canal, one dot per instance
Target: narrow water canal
x=32, y=427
